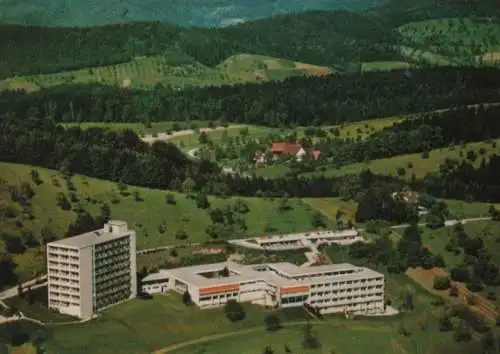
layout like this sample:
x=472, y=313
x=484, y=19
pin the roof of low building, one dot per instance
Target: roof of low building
x=270, y=274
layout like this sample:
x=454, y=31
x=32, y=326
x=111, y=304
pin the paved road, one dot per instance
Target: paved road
x=33, y=283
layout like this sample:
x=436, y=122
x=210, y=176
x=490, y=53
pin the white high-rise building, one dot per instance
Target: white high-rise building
x=92, y=271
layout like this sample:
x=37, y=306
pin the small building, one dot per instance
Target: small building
x=92, y=271
x=333, y=288
x=299, y=240
x=280, y=149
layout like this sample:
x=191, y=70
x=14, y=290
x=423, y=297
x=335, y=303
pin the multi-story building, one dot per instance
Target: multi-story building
x=330, y=288
x=92, y=271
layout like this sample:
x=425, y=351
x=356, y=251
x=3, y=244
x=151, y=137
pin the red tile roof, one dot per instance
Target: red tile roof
x=315, y=154
x=285, y=148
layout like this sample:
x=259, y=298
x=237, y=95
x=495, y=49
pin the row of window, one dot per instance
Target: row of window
x=223, y=297
x=355, y=299
x=347, y=283
x=55, y=303
x=63, y=250
x=347, y=291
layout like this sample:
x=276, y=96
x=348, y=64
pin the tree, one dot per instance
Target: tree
x=20, y=291
x=441, y=282
x=268, y=350
x=181, y=235
x=287, y=349
x=272, y=323
x=224, y=272
x=318, y=220
x=309, y=340
x=284, y=204
x=453, y=291
x=234, y=311
x=170, y=199
x=47, y=235
x=462, y=333
x=105, y=213
x=186, y=298
x=202, y=201
x=403, y=330
x=203, y=138
x=494, y=213
x=445, y=324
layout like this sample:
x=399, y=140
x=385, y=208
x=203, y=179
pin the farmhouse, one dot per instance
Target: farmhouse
x=330, y=288
x=281, y=149
x=411, y=197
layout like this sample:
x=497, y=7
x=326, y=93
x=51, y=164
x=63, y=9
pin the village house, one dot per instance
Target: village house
x=410, y=197
x=281, y=149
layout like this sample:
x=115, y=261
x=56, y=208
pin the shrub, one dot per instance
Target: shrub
x=272, y=323
x=234, y=311
x=441, y=282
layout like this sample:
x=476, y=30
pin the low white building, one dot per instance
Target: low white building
x=330, y=288
x=301, y=240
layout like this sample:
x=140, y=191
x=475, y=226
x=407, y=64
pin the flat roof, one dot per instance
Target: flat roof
x=90, y=238
x=246, y=273
x=306, y=235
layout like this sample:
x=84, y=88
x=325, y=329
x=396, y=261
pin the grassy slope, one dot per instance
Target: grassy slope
x=140, y=128
x=420, y=167
x=142, y=326
x=145, y=217
x=146, y=72
x=459, y=38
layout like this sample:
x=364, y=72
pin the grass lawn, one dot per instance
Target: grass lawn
x=340, y=337
x=271, y=171
x=330, y=206
x=254, y=131
x=362, y=128
x=419, y=165
x=38, y=309
x=145, y=216
x=142, y=326
x=140, y=128
x=384, y=65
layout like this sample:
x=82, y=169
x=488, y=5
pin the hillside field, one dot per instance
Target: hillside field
x=174, y=69
x=191, y=330
x=414, y=163
x=144, y=216
x=141, y=128
x=461, y=38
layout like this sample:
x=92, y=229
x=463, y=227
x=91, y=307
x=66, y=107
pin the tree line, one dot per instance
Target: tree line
x=299, y=101
x=328, y=38
x=122, y=157
x=417, y=134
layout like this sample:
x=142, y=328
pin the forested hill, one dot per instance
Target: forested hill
x=298, y=101
x=398, y=12
x=323, y=38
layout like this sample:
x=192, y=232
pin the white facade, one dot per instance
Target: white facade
x=330, y=288
x=92, y=271
x=301, y=240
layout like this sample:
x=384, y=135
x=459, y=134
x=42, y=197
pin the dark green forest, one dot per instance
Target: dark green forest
x=296, y=101
x=399, y=12
x=420, y=133
x=316, y=37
